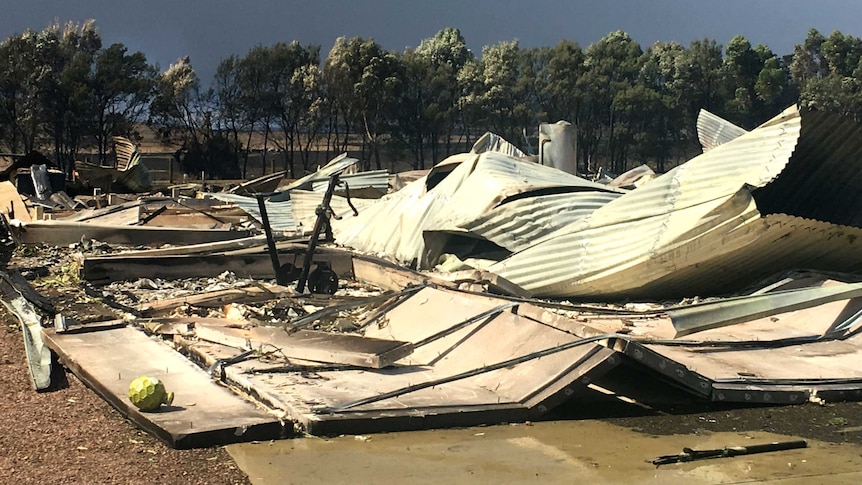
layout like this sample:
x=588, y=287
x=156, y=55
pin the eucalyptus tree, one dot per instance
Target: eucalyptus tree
x=66, y=55
x=701, y=79
x=230, y=119
x=664, y=128
x=501, y=102
x=828, y=71
x=260, y=91
x=807, y=63
x=612, y=64
x=364, y=82
x=560, y=98
x=493, y=97
x=308, y=101
x=175, y=108
x=296, y=83
x=183, y=112
x=416, y=115
x=20, y=109
x=428, y=112
x=445, y=55
x=531, y=88
x=123, y=85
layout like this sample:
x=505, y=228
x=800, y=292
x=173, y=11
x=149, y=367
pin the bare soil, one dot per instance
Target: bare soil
x=70, y=435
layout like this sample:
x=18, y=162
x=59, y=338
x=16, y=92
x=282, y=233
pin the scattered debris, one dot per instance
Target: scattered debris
x=282, y=306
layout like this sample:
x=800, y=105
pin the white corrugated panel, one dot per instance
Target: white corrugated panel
x=336, y=165
x=618, y=259
x=713, y=130
x=305, y=203
x=521, y=223
x=694, y=229
x=396, y=224
x=492, y=142
x=280, y=214
x=377, y=179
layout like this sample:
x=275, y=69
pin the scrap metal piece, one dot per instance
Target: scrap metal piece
x=280, y=276
x=713, y=130
x=38, y=354
x=335, y=166
x=705, y=316
x=324, y=214
x=689, y=454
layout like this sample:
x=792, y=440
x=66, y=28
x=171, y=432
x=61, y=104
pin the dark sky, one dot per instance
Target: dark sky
x=209, y=30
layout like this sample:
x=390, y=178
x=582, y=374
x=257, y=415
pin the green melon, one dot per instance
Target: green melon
x=148, y=393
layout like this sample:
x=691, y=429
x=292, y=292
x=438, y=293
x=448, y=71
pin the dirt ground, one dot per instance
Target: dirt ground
x=70, y=435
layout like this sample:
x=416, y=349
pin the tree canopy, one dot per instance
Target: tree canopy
x=63, y=92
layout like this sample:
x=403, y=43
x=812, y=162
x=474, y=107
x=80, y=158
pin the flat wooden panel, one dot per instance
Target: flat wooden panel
x=310, y=345
x=203, y=413
x=386, y=275
x=64, y=233
x=11, y=203
x=248, y=294
x=434, y=388
x=103, y=269
x=125, y=214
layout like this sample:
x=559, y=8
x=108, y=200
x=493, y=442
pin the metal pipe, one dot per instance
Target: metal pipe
x=270, y=240
x=322, y=219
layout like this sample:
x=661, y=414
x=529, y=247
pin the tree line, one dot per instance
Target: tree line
x=62, y=91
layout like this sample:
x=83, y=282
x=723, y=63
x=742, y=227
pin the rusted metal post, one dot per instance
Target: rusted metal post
x=270, y=240
x=323, y=211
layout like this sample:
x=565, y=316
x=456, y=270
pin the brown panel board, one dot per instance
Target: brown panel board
x=334, y=348
x=216, y=298
x=125, y=214
x=500, y=367
x=64, y=233
x=11, y=203
x=103, y=269
x=387, y=275
x=203, y=413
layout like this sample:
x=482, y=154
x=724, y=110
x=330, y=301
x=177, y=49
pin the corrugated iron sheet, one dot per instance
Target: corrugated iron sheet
x=824, y=179
x=670, y=238
x=304, y=205
x=523, y=222
x=456, y=193
x=280, y=214
x=376, y=179
x=127, y=153
x=491, y=142
x=336, y=165
x=713, y=130
x=783, y=196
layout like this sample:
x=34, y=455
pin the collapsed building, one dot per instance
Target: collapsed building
x=490, y=289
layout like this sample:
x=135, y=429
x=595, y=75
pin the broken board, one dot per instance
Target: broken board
x=104, y=269
x=65, y=233
x=249, y=294
x=504, y=367
x=335, y=348
x=11, y=204
x=203, y=413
